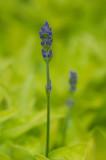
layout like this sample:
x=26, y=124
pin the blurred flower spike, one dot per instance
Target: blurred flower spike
x=46, y=37
x=73, y=81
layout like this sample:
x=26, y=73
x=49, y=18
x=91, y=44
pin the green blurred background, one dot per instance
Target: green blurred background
x=79, y=43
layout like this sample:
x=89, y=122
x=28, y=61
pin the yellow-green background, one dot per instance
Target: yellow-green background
x=79, y=43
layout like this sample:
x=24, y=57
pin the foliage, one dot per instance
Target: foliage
x=79, y=30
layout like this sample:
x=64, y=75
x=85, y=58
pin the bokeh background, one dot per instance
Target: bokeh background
x=79, y=43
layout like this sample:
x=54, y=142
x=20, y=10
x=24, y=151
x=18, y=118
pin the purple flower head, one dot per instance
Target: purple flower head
x=45, y=31
x=46, y=37
x=73, y=81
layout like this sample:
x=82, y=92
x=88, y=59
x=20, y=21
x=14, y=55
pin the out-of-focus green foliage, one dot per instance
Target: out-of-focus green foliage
x=79, y=43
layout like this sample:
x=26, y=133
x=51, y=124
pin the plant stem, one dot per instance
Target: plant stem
x=67, y=119
x=66, y=123
x=48, y=109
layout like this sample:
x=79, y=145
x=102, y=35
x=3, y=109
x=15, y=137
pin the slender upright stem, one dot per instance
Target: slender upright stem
x=68, y=118
x=66, y=123
x=48, y=109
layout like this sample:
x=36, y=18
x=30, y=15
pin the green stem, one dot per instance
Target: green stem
x=66, y=123
x=48, y=109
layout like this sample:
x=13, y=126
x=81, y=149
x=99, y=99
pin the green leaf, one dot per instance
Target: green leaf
x=40, y=157
x=35, y=120
x=19, y=153
x=100, y=142
x=27, y=95
x=75, y=152
x=6, y=115
x=4, y=157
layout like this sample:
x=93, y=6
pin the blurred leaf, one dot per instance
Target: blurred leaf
x=76, y=152
x=4, y=65
x=19, y=153
x=4, y=157
x=37, y=119
x=27, y=95
x=100, y=142
x=40, y=157
x=100, y=119
x=6, y=115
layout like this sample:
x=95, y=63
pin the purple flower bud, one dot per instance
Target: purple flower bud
x=73, y=81
x=48, y=42
x=70, y=103
x=42, y=43
x=45, y=31
x=44, y=53
x=50, y=54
